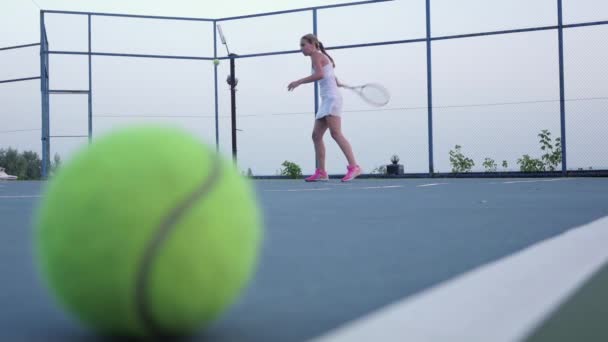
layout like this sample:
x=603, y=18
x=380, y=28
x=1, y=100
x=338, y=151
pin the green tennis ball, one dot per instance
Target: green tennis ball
x=147, y=233
x=216, y=62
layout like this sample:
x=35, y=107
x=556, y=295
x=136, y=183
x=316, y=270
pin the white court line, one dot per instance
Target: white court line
x=535, y=181
x=501, y=301
x=298, y=190
x=378, y=187
x=327, y=189
x=427, y=185
x=21, y=196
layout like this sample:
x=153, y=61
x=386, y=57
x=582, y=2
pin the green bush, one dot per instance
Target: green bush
x=490, y=165
x=529, y=164
x=553, y=153
x=549, y=161
x=291, y=170
x=460, y=163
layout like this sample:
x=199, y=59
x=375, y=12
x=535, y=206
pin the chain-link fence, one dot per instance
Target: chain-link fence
x=478, y=88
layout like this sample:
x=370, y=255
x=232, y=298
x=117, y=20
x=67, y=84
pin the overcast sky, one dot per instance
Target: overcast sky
x=473, y=78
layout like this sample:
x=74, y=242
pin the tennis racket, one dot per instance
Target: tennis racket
x=372, y=93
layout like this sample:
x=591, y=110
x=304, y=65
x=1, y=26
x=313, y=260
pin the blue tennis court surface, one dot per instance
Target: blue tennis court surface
x=337, y=254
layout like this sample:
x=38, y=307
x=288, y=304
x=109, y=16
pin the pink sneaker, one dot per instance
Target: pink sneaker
x=353, y=172
x=319, y=176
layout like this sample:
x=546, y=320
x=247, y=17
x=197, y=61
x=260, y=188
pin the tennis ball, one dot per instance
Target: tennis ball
x=147, y=233
x=216, y=62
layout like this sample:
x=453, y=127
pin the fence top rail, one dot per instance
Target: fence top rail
x=591, y=23
x=305, y=9
x=18, y=46
x=102, y=14
x=420, y=40
x=137, y=16
x=20, y=79
x=380, y=43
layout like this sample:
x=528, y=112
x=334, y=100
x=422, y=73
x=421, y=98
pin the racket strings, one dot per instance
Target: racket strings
x=375, y=94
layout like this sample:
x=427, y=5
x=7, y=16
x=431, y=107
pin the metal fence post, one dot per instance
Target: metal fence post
x=562, y=92
x=429, y=77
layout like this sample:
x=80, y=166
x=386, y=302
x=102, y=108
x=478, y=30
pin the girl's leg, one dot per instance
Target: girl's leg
x=319, y=130
x=335, y=128
x=334, y=123
x=317, y=138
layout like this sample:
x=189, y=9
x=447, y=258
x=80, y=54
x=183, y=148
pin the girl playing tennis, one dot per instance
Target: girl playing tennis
x=328, y=115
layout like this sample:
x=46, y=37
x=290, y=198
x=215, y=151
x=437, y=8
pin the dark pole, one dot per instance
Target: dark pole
x=562, y=92
x=90, y=94
x=215, y=89
x=429, y=80
x=43, y=137
x=315, y=30
x=232, y=81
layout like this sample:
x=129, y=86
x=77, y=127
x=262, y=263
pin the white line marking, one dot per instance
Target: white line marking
x=23, y=196
x=501, y=301
x=298, y=190
x=427, y=185
x=379, y=187
x=535, y=181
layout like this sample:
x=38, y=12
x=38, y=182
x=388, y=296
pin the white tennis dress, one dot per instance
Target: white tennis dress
x=331, y=98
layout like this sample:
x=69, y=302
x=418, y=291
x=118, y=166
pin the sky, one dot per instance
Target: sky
x=492, y=95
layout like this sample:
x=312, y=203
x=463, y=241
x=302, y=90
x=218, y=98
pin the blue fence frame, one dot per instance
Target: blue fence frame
x=428, y=40
x=21, y=79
